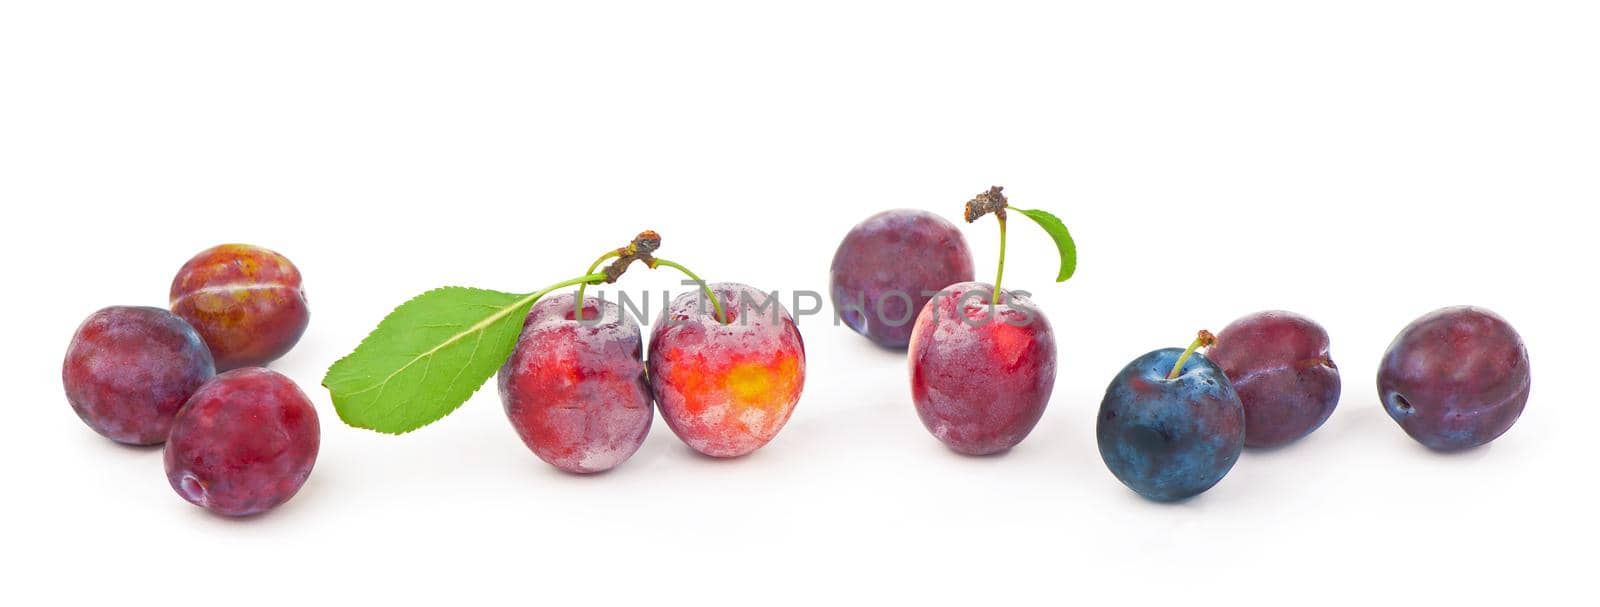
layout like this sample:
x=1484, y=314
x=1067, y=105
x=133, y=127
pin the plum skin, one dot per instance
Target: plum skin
x=1279, y=364
x=246, y=301
x=1170, y=440
x=1455, y=378
x=886, y=266
x=128, y=370
x=726, y=389
x=244, y=443
x=981, y=377
x=576, y=392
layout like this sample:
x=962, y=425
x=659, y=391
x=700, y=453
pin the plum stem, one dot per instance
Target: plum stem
x=1000, y=272
x=639, y=249
x=590, y=278
x=1204, y=339
x=534, y=297
x=991, y=201
x=716, y=304
x=578, y=306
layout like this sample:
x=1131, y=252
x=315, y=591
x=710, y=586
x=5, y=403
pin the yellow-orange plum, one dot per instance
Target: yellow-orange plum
x=726, y=389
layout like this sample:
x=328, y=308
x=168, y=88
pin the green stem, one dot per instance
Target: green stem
x=531, y=298
x=715, y=303
x=1001, y=271
x=578, y=305
x=1205, y=338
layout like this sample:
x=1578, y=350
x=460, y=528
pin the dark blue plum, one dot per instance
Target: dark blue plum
x=1455, y=378
x=888, y=267
x=1170, y=439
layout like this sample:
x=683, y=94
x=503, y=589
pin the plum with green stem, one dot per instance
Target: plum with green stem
x=983, y=359
x=726, y=365
x=1171, y=425
x=575, y=388
x=727, y=374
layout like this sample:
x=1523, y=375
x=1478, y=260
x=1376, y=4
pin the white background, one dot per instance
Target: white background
x=1361, y=162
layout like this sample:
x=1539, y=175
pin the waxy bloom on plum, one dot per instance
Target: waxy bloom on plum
x=726, y=389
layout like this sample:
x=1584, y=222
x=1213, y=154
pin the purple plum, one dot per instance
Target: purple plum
x=576, y=391
x=887, y=267
x=129, y=369
x=244, y=443
x=1279, y=364
x=1455, y=378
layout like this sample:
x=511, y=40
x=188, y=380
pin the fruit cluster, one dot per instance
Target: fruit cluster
x=726, y=365
x=238, y=442
x=1454, y=379
x=1174, y=421
x=580, y=393
x=982, y=358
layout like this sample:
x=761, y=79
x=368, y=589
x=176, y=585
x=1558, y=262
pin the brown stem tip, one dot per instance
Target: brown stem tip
x=1320, y=361
x=985, y=203
x=645, y=243
x=639, y=250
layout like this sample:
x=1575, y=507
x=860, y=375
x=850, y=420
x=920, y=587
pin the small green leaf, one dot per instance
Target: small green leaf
x=1058, y=232
x=426, y=358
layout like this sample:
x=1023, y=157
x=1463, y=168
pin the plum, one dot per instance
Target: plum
x=245, y=301
x=1279, y=364
x=576, y=391
x=244, y=443
x=1455, y=378
x=1170, y=425
x=981, y=375
x=886, y=268
x=129, y=369
x=726, y=389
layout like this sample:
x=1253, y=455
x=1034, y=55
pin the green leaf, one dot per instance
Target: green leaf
x=1058, y=232
x=426, y=358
